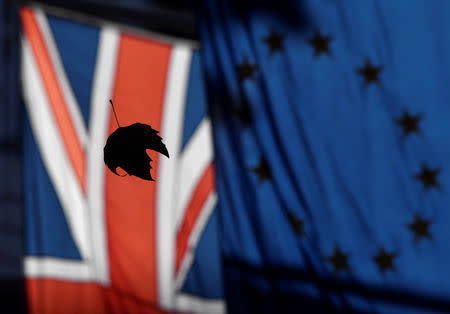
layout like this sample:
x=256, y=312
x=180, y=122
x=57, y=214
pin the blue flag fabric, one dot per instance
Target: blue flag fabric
x=332, y=145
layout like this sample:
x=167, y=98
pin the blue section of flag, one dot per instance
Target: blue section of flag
x=45, y=229
x=333, y=196
x=204, y=278
x=77, y=46
x=195, y=109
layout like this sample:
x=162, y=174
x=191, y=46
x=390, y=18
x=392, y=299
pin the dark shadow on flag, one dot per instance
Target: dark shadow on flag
x=12, y=296
x=248, y=280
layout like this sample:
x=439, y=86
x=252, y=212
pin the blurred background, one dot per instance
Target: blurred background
x=308, y=140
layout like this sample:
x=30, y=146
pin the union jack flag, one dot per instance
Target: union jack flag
x=97, y=242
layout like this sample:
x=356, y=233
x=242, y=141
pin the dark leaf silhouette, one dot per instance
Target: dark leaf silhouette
x=126, y=148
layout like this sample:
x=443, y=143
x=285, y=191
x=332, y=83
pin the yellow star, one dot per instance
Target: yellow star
x=339, y=260
x=246, y=70
x=244, y=115
x=262, y=170
x=297, y=224
x=420, y=227
x=274, y=41
x=428, y=177
x=320, y=44
x=385, y=260
x=370, y=72
x=409, y=123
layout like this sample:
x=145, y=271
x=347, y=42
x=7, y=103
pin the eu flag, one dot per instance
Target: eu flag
x=331, y=129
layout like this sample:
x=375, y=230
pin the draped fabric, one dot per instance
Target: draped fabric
x=331, y=147
x=95, y=241
x=332, y=144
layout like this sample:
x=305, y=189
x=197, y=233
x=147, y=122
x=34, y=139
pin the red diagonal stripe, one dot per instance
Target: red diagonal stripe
x=55, y=96
x=195, y=206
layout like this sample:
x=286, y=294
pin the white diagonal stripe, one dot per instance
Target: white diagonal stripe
x=197, y=155
x=171, y=132
x=101, y=93
x=69, y=97
x=52, y=150
x=194, y=237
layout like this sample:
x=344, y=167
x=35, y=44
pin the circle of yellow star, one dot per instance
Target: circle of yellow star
x=320, y=44
x=262, y=170
x=385, y=260
x=370, y=72
x=246, y=70
x=296, y=224
x=339, y=260
x=244, y=115
x=420, y=228
x=274, y=41
x=409, y=123
x=428, y=177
